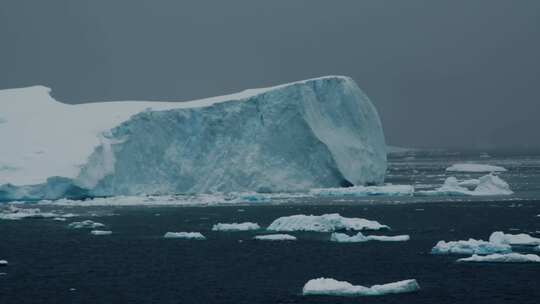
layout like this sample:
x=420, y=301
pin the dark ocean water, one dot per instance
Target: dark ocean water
x=49, y=263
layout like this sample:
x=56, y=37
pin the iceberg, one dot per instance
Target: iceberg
x=359, y=237
x=475, y=168
x=101, y=232
x=361, y=191
x=503, y=258
x=85, y=224
x=184, y=235
x=3, y=263
x=275, y=237
x=236, y=226
x=486, y=185
x=470, y=246
x=316, y=133
x=523, y=239
x=332, y=287
x=323, y=223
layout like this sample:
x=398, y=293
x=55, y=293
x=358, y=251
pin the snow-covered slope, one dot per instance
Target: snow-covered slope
x=321, y=132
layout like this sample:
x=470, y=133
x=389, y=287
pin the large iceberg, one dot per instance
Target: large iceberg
x=332, y=287
x=316, y=133
x=470, y=246
x=503, y=258
x=323, y=223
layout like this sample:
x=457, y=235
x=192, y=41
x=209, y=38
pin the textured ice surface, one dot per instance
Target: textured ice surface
x=236, y=226
x=359, y=237
x=474, y=168
x=275, y=237
x=486, y=185
x=184, y=235
x=503, y=258
x=100, y=232
x=499, y=237
x=323, y=223
x=86, y=224
x=360, y=191
x=324, y=286
x=470, y=246
x=321, y=132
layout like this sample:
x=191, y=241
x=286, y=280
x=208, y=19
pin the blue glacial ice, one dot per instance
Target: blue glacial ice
x=317, y=133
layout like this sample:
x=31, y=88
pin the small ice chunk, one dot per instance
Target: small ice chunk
x=276, y=237
x=246, y=226
x=474, y=168
x=323, y=223
x=16, y=213
x=487, y=185
x=184, y=235
x=86, y=224
x=500, y=237
x=503, y=258
x=359, y=237
x=59, y=219
x=324, y=286
x=3, y=263
x=470, y=246
x=100, y=232
x=360, y=191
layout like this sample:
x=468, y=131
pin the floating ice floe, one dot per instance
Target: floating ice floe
x=503, y=258
x=475, y=168
x=359, y=237
x=85, y=224
x=100, y=232
x=59, y=219
x=184, y=235
x=16, y=213
x=236, y=226
x=323, y=223
x=324, y=286
x=470, y=246
x=276, y=237
x=487, y=185
x=3, y=263
x=499, y=237
x=361, y=191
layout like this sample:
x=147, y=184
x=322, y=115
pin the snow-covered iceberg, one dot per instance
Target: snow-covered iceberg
x=360, y=191
x=275, y=237
x=503, y=258
x=470, y=246
x=86, y=224
x=359, y=237
x=323, y=223
x=499, y=237
x=317, y=133
x=236, y=226
x=332, y=287
x=101, y=232
x=486, y=185
x=184, y=235
x=475, y=168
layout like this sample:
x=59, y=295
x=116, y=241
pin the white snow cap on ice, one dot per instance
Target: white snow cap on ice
x=236, y=226
x=499, y=237
x=275, y=237
x=360, y=191
x=184, y=235
x=323, y=223
x=101, y=232
x=470, y=246
x=475, y=168
x=503, y=258
x=359, y=237
x=332, y=287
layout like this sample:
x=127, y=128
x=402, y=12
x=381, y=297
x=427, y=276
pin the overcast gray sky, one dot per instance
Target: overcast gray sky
x=441, y=73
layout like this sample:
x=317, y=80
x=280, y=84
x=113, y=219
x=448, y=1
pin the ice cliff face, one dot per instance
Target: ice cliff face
x=322, y=132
